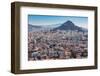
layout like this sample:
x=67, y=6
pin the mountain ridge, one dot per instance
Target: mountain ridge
x=69, y=25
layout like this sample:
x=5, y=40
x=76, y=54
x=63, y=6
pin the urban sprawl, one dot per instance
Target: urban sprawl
x=57, y=44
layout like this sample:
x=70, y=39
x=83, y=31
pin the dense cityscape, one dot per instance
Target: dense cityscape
x=59, y=44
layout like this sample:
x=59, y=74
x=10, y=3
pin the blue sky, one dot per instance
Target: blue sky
x=47, y=20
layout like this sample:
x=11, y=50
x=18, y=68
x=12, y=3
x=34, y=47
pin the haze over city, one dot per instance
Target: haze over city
x=50, y=21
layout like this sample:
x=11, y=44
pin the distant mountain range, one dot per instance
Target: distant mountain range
x=33, y=27
x=68, y=25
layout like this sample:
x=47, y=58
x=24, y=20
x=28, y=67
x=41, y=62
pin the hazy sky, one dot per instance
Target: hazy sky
x=47, y=20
